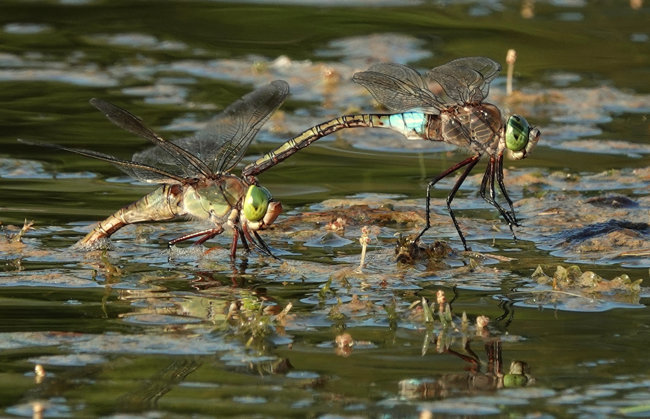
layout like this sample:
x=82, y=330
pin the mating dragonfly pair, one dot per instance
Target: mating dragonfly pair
x=446, y=104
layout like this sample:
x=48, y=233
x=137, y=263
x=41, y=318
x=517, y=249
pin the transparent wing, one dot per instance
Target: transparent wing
x=461, y=81
x=239, y=123
x=399, y=88
x=223, y=142
x=136, y=170
x=189, y=165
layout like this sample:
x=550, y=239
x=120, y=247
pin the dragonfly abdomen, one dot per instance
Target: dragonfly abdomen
x=413, y=125
x=160, y=205
x=319, y=131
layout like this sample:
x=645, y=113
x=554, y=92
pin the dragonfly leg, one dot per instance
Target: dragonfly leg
x=259, y=246
x=495, y=357
x=471, y=359
x=264, y=245
x=237, y=233
x=488, y=179
x=505, y=214
x=450, y=197
x=208, y=234
x=215, y=232
x=243, y=239
x=471, y=161
x=502, y=187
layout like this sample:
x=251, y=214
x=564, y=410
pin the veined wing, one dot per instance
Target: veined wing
x=461, y=81
x=226, y=138
x=399, y=88
x=129, y=122
x=140, y=171
x=223, y=142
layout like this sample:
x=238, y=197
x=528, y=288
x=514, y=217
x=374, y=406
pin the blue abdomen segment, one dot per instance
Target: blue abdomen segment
x=413, y=125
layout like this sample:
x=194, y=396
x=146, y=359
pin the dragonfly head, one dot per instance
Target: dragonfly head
x=259, y=208
x=521, y=138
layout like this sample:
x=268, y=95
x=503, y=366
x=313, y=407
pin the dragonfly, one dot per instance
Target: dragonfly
x=194, y=174
x=445, y=104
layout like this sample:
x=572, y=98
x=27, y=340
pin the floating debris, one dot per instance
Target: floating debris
x=39, y=373
x=14, y=238
x=588, y=283
x=336, y=225
x=612, y=201
x=571, y=289
x=408, y=252
x=344, y=343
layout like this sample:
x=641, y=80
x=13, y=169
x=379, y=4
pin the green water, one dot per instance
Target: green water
x=143, y=330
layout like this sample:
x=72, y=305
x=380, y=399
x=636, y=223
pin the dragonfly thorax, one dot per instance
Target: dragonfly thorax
x=213, y=199
x=474, y=126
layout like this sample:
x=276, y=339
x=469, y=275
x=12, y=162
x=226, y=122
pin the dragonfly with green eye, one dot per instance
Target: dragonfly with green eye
x=194, y=174
x=446, y=104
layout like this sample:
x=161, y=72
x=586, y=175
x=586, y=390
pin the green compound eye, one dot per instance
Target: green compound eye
x=256, y=202
x=517, y=130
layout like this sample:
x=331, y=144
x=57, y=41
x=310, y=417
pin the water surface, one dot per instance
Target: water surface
x=144, y=330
